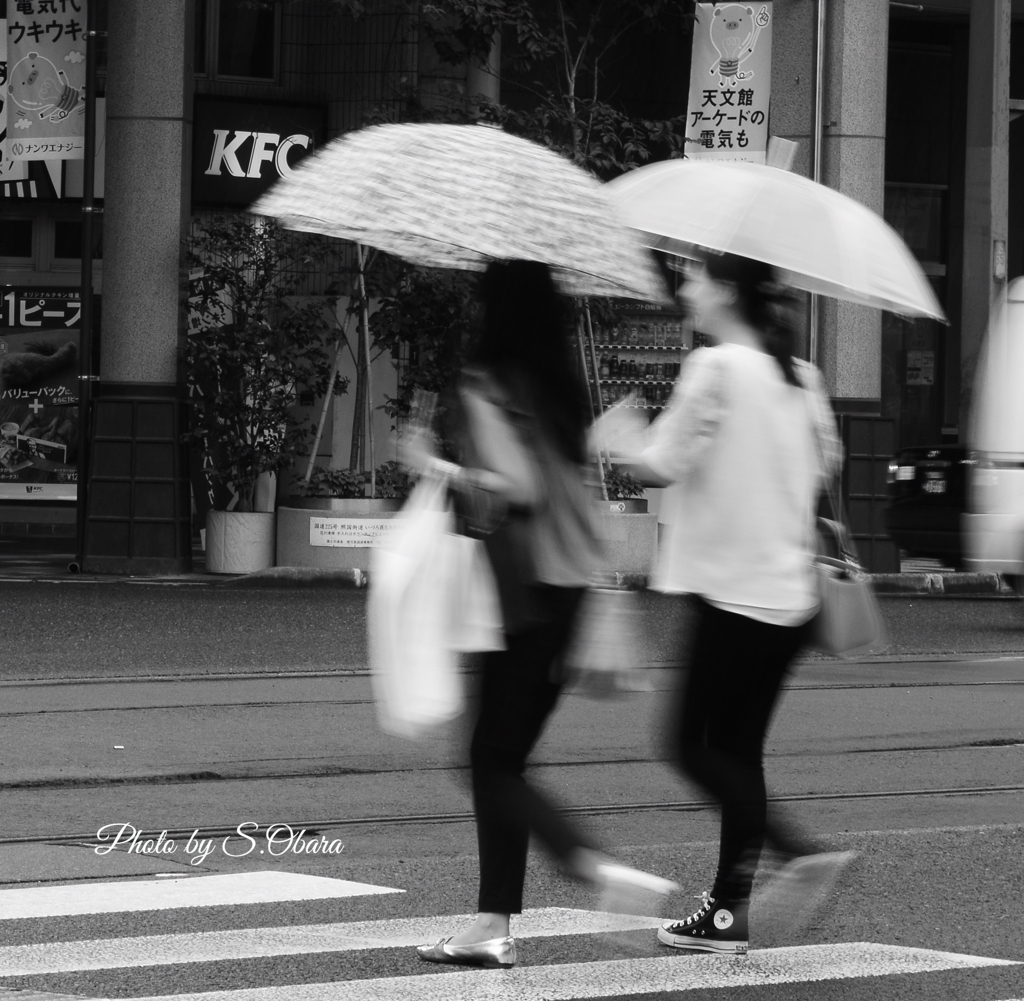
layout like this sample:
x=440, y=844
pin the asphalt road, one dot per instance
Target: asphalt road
x=916, y=762
x=97, y=630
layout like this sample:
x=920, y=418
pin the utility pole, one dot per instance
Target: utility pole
x=89, y=213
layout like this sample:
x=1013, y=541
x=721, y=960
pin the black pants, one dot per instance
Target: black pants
x=736, y=667
x=517, y=695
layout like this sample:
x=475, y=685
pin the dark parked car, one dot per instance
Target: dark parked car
x=927, y=496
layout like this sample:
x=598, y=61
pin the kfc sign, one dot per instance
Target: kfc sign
x=240, y=149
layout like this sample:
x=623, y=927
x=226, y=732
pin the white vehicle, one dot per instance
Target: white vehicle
x=994, y=527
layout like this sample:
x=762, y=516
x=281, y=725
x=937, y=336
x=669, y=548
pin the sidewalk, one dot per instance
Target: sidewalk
x=920, y=577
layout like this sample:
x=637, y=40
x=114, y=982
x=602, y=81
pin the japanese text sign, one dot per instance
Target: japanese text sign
x=45, y=87
x=345, y=533
x=730, y=82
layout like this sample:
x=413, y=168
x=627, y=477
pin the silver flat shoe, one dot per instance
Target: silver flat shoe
x=495, y=953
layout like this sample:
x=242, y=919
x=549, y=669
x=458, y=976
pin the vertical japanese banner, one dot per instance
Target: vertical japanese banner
x=39, y=347
x=46, y=79
x=10, y=170
x=730, y=82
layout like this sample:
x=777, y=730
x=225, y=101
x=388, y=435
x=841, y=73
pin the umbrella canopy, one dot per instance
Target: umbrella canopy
x=820, y=240
x=459, y=196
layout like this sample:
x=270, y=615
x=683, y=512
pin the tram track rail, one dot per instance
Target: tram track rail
x=271, y=703
x=315, y=827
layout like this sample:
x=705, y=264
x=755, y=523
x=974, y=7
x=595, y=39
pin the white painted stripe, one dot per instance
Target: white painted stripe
x=163, y=894
x=683, y=972
x=21, y=994
x=291, y=940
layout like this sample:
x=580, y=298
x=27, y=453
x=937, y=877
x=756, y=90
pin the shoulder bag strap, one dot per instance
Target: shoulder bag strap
x=831, y=492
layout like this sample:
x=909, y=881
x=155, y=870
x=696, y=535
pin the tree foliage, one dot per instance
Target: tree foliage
x=565, y=57
x=255, y=347
x=425, y=315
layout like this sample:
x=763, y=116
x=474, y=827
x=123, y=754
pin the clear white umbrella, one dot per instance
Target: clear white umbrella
x=820, y=240
x=459, y=196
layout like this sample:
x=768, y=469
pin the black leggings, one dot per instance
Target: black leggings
x=517, y=695
x=736, y=667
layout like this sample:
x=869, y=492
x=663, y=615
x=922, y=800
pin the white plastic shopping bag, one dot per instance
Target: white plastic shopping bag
x=432, y=595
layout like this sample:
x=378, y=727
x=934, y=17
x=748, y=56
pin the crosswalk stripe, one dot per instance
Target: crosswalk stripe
x=289, y=940
x=262, y=887
x=624, y=977
x=18, y=994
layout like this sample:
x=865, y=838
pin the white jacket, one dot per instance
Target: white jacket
x=746, y=454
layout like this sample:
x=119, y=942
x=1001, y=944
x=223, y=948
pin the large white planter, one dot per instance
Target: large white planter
x=239, y=542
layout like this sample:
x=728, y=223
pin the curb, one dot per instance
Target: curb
x=922, y=584
x=940, y=583
x=287, y=577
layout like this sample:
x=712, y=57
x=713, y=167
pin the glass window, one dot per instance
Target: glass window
x=15, y=237
x=246, y=39
x=67, y=239
x=917, y=213
x=201, y=21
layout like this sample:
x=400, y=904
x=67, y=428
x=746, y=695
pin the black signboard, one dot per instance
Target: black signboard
x=240, y=148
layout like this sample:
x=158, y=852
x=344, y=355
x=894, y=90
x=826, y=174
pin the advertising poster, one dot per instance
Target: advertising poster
x=730, y=82
x=45, y=90
x=39, y=350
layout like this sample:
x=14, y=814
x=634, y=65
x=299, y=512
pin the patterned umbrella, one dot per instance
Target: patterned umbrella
x=459, y=196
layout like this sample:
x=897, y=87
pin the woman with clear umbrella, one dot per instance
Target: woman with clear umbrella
x=744, y=447
x=520, y=481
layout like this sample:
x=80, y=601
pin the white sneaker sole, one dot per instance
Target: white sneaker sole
x=725, y=947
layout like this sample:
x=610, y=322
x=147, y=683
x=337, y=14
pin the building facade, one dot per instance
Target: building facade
x=206, y=102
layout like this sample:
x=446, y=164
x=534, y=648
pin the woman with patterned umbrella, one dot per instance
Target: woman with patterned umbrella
x=460, y=196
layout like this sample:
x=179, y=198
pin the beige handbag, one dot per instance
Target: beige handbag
x=849, y=621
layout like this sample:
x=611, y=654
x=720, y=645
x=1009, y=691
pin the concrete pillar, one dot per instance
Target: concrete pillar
x=853, y=161
x=853, y=156
x=149, y=126
x=986, y=181
x=792, y=104
x=138, y=512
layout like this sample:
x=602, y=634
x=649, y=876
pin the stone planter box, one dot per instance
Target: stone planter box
x=630, y=539
x=331, y=533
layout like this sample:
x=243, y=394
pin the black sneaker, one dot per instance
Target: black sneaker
x=719, y=926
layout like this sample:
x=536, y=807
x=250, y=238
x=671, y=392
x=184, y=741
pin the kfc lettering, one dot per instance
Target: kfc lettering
x=267, y=147
x=240, y=148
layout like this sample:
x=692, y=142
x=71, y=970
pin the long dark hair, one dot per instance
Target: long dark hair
x=525, y=343
x=765, y=304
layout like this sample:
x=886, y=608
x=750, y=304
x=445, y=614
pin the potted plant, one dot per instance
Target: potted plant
x=630, y=533
x=333, y=516
x=625, y=492
x=254, y=347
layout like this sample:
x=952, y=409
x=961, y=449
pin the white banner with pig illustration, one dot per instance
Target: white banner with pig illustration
x=39, y=345
x=730, y=82
x=46, y=79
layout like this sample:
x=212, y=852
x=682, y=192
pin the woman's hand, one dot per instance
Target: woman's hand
x=416, y=450
x=621, y=432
